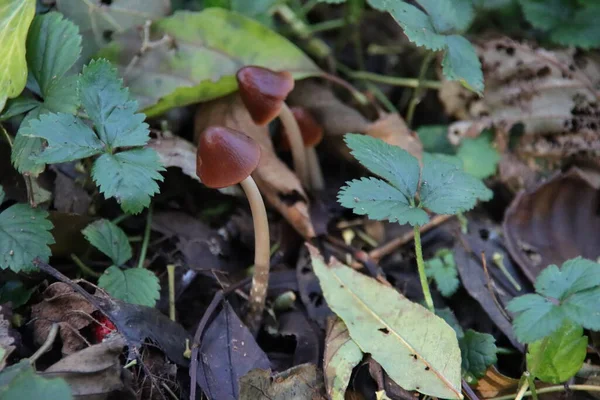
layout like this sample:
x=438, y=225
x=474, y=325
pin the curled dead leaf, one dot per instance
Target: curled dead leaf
x=495, y=384
x=72, y=312
x=277, y=183
x=7, y=340
x=555, y=221
x=547, y=92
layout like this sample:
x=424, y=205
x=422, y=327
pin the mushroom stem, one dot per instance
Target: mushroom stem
x=262, y=255
x=290, y=126
x=316, y=174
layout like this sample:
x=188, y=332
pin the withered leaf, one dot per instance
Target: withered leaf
x=301, y=382
x=7, y=340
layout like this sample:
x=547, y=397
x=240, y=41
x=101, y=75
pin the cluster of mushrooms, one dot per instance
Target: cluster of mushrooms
x=227, y=157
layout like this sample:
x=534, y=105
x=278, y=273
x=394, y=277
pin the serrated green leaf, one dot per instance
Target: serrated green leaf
x=559, y=357
x=415, y=347
x=109, y=239
x=15, y=18
x=130, y=177
x=15, y=292
x=545, y=14
x=435, y=139
x=68, y=137
x=390, y=162
x=380, y=201
x=442, y=269
x=571, y=292
x=99, y=21
x=53, y=46
x=462, y=64
x=581, y=30
x=342, y=354
x=447, y=315
x=447, y=189
x=24, y=235
x=63, y=96
x=20, y=381
x=478, y=351
x=18, y=106
x=479, y=156
x=449, y=16
x=107, y=104
x=133, y=285
x=211, y=46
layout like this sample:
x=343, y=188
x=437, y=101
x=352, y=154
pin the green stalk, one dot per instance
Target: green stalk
x=146, y=238
x=416, y=97
x=552, y=389
x=531, y=380
x=421, y=268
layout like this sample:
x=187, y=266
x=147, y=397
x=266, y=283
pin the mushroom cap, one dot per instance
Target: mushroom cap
x=225, y=157
x=263, y=91
x=310, y=129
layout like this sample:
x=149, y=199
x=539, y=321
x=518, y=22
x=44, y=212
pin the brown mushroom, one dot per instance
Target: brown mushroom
x=263, y=92
x=312, y=134
x=227, y=157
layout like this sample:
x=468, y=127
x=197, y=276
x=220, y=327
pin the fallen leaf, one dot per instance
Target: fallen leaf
x=294, y=323
x=277, y=183
x=418, y=349
x=69, y=196
x=310, y=291
x=228, y=351
x=342, y=354
x=67, y=234
x=548, y=92
x=7, y=340
x=554, y=221
x=300, y=382
x=495, y=384
x=69, y=309
x=93, y=371
x=199, y=56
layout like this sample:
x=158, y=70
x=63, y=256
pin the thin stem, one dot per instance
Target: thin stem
x=262, y=255
x=416, y=97
x=421, y=268
x=531, y=381
x=120, y=219
x=84, y=268
x=171, y=276
x=393, y=80
x=317, y=182
x=6, y=135
x=552, y=389
x=379, y=95
x=292, y=131
x=47, y=343
x=146, y=238
x=328, y=25
x=523, y=388
x=498, y=259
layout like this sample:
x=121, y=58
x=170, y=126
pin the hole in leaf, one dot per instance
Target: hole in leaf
x=107, y=35
x=305, y=270
x=484, y=234
x=316, y=299
x=426, y=368
x=384, y=331
x=106, y=2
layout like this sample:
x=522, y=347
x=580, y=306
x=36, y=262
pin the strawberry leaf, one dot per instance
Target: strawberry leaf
x=109, y=239
x=133, y=285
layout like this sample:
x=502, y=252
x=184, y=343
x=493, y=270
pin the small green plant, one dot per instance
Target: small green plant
x=551, y=321
x=442, y=269
x=440, y=185
x=133, y=285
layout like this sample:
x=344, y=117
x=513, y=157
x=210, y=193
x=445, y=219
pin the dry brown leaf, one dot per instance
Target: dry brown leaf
x=72, y=312
x=7, y=341
x=174, y=151
x=338, y=119
x=93, y=371
x=495, y=384
x=277, y=183
x=548, y=92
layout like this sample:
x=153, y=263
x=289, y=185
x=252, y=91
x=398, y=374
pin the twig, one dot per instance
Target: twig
x=7, y=136
x=147, y=231
x=47, y=344
x=524, y=386
x=392, y=245
x=393, y=80
x=490, y=288
x=147, y=44
x=171, y=276
x=551, y=389
x=468, y=391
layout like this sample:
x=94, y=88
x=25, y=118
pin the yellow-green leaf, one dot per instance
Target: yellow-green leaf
x=417, y=349
x=199, y=57
x=15, y=18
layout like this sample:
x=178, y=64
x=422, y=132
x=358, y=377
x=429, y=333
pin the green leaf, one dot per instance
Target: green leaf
x=435, y=139
x=109, y=239
x=20, y=381
x=130, y=177
x=571, y=292
x=479, y=156
x=442, y=269
x=558, y=357
x=100, y=20
x=133, y=285
x=342, y=354
x=415, y=347
x=15, y=18
x=24, y=235
x=210, y=47
x=545, y=14
x=447, y=189
x=447, y=315
x=107, y=104
x=15, y=292
x=390, y=162
x=2, y=194
x=581, y=30
x=462, y=64
x=68, y=137
x=380, y=201
x=434, y=29
x=478, y=352
x=18, y=106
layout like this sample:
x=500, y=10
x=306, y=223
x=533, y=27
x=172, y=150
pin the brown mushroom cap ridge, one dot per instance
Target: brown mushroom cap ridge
x=263, y=91
x=225, y=157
